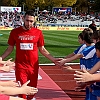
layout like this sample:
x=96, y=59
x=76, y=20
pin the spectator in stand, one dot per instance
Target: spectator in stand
x=17, y=21
x=93, y=26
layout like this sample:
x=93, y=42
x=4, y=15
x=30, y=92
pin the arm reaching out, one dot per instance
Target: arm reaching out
x=6, y=68
x=84, y=76
x=48, y=55
x=95, y=68
x=7, y=52
x=63, y=61
x=24, y=89
x=69, y=68
x=11, y=83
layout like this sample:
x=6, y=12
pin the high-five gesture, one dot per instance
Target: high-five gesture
x=28, y=90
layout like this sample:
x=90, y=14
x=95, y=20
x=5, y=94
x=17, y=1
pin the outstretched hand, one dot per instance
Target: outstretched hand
x=68, y=68
x=28, y=90
x=9, y=62
x=7, y=68
x=84, y=76
x=60, y=63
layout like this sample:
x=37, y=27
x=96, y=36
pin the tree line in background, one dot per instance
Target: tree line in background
x=79, y=5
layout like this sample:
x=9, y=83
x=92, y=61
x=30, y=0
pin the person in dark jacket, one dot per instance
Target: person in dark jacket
x=93, y=26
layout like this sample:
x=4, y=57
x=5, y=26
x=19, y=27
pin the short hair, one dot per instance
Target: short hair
x=30, y=13
x=87, y=35
x=88, y=29
x=96, y=35
x=97, y=45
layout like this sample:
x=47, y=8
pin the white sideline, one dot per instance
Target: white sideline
x=54, y=64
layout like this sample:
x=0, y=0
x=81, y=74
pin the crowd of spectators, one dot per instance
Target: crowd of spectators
x=48, y=19
x=68, y=19
x=10, y=19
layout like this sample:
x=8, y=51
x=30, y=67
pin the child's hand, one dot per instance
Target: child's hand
x=68, y=68
x=28, y=90
x=7, y=68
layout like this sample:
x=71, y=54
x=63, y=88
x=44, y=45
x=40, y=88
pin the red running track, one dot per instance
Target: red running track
x=65, y=80
x=49, y=90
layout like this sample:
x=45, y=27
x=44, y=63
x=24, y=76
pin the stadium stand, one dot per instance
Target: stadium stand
x=8, y=19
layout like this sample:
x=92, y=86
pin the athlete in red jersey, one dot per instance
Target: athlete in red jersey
x=27, y=40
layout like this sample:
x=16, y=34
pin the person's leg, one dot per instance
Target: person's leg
x=33, y=83
x=21, y=76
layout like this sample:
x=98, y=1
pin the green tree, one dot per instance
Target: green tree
x=64, y=3
x=82, y=5
x=30, y=4
x=9, y=2
x=13, y=2
x=5, y=2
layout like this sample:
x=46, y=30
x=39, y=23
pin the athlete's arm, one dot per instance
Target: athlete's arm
x=10, y=83
x=95, y=68
x=70, y=55
x=7, y=52
x=44, y=52
x=85, y=76
x=68, y=68
x=24, y=89
x=75, y=57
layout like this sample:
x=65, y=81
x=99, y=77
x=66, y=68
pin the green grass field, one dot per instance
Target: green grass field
x=58, y=43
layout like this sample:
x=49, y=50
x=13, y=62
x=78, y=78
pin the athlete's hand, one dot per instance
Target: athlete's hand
x=61, y=63
x=84, y=76
x=56, y=60
x=68, y=68
x=28, y=90
x=6, y=68
x=10, y=62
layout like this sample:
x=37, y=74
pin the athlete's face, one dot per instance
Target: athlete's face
x=94, y=40
x=98, y=53
x=28, y=21
x=80, y=40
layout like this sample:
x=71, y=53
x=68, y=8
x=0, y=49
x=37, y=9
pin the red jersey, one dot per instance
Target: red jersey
x=27, y=43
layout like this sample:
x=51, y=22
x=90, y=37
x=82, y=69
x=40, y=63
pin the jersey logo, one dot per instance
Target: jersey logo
x=26, y=46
